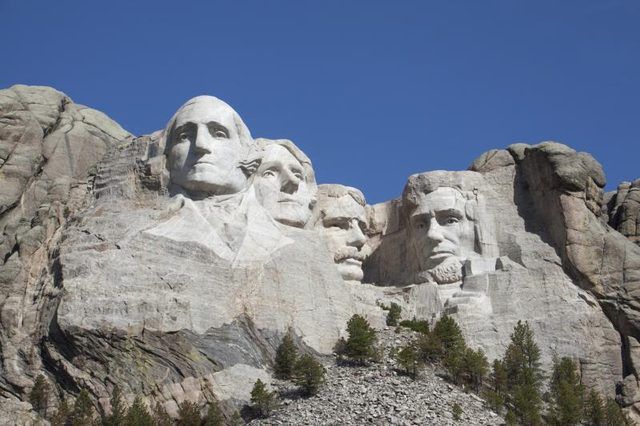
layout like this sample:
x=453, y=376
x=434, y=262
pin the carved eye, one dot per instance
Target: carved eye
x=183, y=136
x=219, y=134
x=269, y=173
x=298, y=174
x=451, y=220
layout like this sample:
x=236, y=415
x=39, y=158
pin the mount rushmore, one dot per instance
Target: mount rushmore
x=173, y=263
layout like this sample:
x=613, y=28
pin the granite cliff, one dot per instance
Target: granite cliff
x=172, y=264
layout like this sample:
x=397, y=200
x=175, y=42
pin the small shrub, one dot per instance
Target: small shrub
x=39, y=395
x=286, y=355
x=594, y=413
x=309, y=374
x=475, y=368
x=264, y=402
x=393, y=316
x=456, y=411
x=419, y=326
x=429, y=348
x=118, y=411
x=409, y=360
x=188, y=414
x=614, y=415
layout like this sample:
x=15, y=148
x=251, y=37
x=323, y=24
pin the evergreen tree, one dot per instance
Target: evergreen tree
x=360, y=346
x=594, y=409
x=409, y=360
x=236, y=419
x=614, y=415
x=214, y=415
x=62, y=414
x=138, y=414
x=118, y=412
x=286, y=355
x=188, y=414
x=39, y=395
x=495, y=396
x=393, y=316
x=450, y=336
x=263, y=401
x=309, y=374
x=524, y=376
x=160, y=416
x=82, y=413
x=566, y=393
x=429, y=348
x=419, y=326
x=475, y=368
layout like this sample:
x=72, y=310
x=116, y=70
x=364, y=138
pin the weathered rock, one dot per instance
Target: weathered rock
x=623, y=210
x=153, y=264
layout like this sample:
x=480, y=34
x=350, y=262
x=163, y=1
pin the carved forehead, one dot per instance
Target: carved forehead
x=343, y=207
x=442, y=199
x=276, y=153
x=204, y=109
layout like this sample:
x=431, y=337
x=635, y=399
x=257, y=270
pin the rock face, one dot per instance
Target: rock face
x=172, y=264
x=623, y=210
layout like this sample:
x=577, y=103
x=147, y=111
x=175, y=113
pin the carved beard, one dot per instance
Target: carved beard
x=449, y=271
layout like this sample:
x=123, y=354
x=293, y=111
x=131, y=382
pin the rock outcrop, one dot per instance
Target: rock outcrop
x=172, y=264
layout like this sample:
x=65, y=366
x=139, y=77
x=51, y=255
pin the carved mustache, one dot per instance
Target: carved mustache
x=349, y=253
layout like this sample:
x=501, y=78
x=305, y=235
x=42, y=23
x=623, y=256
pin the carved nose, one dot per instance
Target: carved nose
x=290, y=183
x=202, y=144
x=435, y=231
x=356, y=237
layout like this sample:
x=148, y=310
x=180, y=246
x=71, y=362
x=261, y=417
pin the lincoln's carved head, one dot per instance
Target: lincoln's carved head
x=284, y=182
x=205, y=142
x=444, y=225
x=341, y=220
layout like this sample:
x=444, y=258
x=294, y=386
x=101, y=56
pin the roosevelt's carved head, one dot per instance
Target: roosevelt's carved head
x=446, y=224
x=341, y=220
x=284, y=182
x=205, y=142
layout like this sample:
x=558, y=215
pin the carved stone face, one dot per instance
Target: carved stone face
x=205, y=148
x=281, y=187
x=342, y=227
x=441, y=234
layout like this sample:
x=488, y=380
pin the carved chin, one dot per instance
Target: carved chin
x=351, y=270
x=447, y=272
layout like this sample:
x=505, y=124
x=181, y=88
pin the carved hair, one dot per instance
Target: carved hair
x=253, y=163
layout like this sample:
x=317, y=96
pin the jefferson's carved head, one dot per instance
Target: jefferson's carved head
x=284, y=182
x=341, y=220
x=445, y=224
x=205, y=142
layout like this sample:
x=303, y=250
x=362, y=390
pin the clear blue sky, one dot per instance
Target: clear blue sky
x=372, y=91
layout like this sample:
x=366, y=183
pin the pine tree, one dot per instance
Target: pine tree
x=263, y=401
x=39, y=395
x=214, y=415
x=360, y=346
x=566, y=393
x=409, y=360
x=309, y=374
x=613, y=414
x=188, y=414
x=495, y=396
x=393, y=316
x=82, y=413
x=117, y=416
x=524, y=376
x=594, y=409
x=450, y=336
x=138, y=414
x=62, y=414
x=475, y=368
x=286, y=355
x=160, y=416
x=429, y=348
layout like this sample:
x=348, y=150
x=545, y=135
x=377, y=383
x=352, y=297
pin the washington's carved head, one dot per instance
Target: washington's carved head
x=284, y=182
x=341, y=220
x=205, y=142
x=444, y=225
